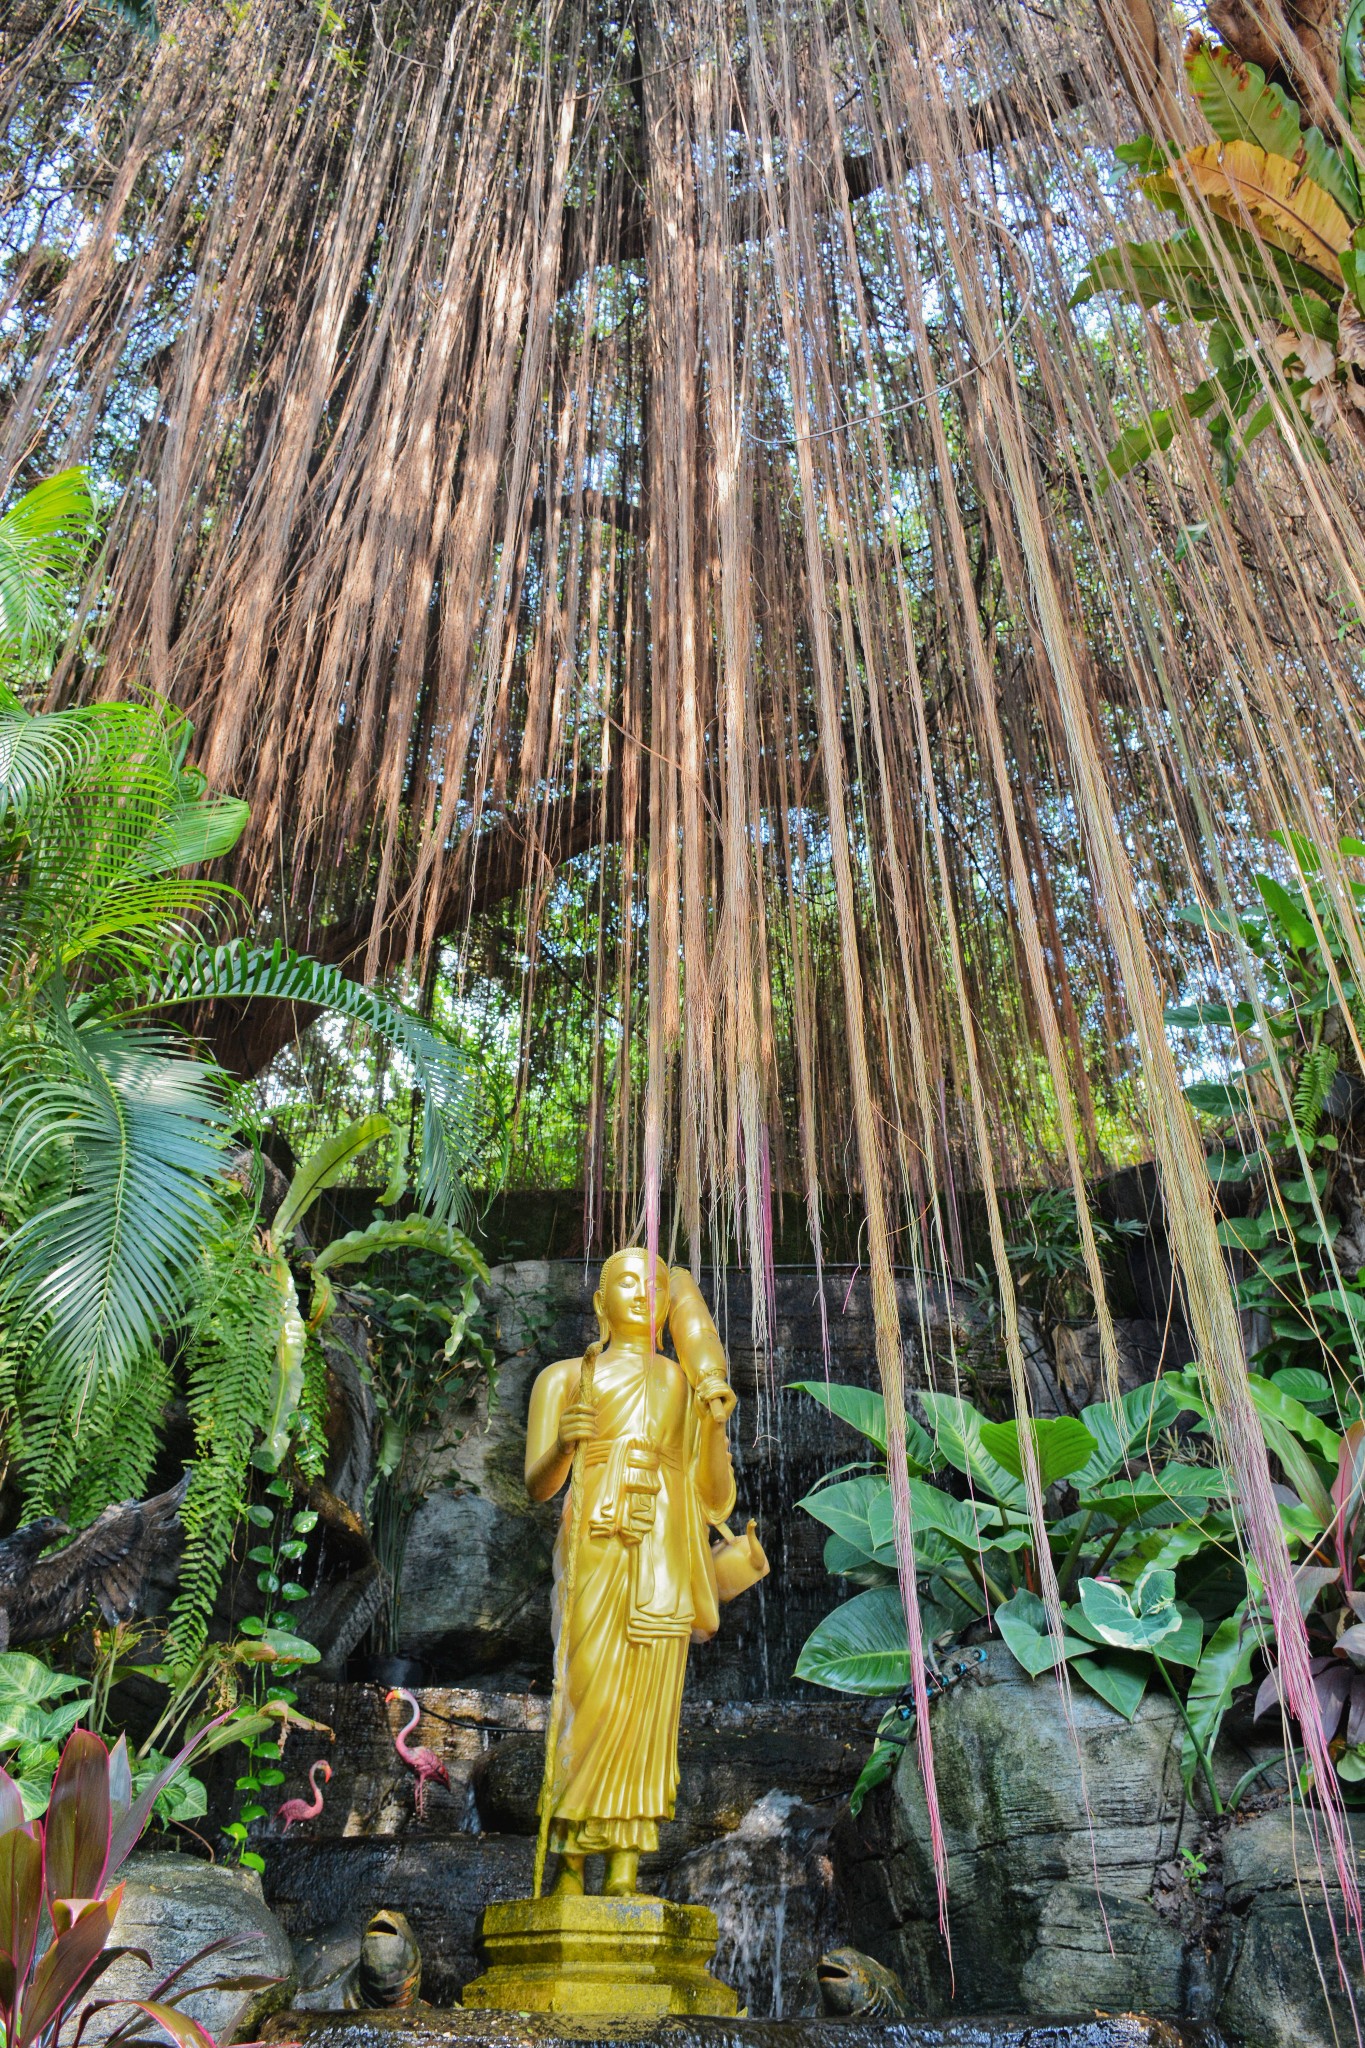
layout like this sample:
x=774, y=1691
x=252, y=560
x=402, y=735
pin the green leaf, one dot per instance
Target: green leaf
x=1223, y=1098
x=1124, y=1429
x=323, y=1168
x=1299, y=1383
x=1278, y=1405
x=862, y=1647
x=44, y=538
x=290, y=1649
x=1136, y=1622
x=859, y=1407
x=286, y=1387
x=1195, y=1016
x=451, y=1112
x=1292, y=923
x=880, y=1766
x=105, y=1271
x=1119, y=1679
x=413, y=1233
x=957, y=1427
x=1022, y=1621
x=859, y=1512
x=1351, y=75
x=1062, y=1445
x=1225, y=1665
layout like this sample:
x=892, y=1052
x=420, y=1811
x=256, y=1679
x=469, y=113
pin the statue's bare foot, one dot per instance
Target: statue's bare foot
x=622, y=1870
x=568, y=1882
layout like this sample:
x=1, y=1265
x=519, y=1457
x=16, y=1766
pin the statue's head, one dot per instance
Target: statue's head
x=622, y=1297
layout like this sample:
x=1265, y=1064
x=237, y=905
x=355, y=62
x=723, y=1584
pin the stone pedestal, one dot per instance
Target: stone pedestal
x=632, y=1958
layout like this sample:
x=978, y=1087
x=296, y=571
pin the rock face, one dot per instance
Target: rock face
x=1028, y=1933
x=762, y=1786
x=474, y=1598
x=172, y=1907
x=1051, y=1916
x=1272, y=1995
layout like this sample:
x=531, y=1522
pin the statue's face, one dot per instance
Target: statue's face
x=624, y=1294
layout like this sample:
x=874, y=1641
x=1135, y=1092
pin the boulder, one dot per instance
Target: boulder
x=173, y=1906
x=1067, y=1892
x=1053, y=1834
x=1278, y=1931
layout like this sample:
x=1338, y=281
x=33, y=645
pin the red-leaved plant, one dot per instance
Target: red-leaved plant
x=56, y=1918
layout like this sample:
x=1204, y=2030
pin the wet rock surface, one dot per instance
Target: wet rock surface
x=1050, y=1914
x=762, y=1786
x=1276, y=1917
x=374, y=2030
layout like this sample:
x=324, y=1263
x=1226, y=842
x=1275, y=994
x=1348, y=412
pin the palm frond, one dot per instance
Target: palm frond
x=40, y=754
x=443, y=1070
x=106, y=1268
x=43, y=541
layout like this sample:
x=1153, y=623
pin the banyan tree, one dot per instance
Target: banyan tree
x=752, y=522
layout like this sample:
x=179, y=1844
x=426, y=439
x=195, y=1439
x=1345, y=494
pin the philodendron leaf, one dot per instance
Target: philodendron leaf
x=1124, y=1429
x=957, y=1428
x=1132, y=1622
x=1120, y=1679
x=859, y=1407
x=1062, y=1445
x=862, y=1647
x=1225, y=1665
x=859, y=1511
x=865, y=1411
x=1022, y=1621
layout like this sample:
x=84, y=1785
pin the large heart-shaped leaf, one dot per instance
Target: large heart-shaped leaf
x=957, y=1427
x=1120, y=1679
x=1062, y=1445
x=862, y=1647
x=1124, y=1429
x=859, y=1407
x=1022, y=1621
x=1132, y=1622
x=859, y=1512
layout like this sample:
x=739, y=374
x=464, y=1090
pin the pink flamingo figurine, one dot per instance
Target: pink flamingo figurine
x=428, y=1766
x=306, y=1809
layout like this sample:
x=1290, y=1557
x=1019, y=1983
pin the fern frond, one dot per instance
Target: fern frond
x=105, y=813
x=1315, y=1079
x=230, y=1367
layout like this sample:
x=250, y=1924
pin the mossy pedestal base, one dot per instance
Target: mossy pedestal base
x=632, y=1958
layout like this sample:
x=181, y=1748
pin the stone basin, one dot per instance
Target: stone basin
x=432, y=2029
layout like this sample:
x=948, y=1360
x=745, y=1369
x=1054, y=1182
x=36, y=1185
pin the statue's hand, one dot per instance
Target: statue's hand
x=717, y=1396
x=577, y=1424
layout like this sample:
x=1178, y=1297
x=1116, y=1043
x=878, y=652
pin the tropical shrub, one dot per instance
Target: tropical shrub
x=131, y=1241
x=1270, y=260
x=1121, y=1520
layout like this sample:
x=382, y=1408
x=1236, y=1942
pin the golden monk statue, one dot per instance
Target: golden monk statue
x=644, y=1580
